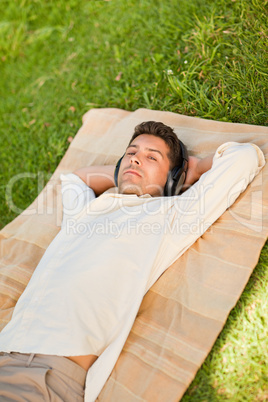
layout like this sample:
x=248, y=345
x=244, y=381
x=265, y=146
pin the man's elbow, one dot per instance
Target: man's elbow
x=247, y=159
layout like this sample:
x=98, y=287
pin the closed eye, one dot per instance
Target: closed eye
x=149, y=156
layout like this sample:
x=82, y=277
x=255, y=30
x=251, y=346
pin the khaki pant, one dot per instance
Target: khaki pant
x=34, y=378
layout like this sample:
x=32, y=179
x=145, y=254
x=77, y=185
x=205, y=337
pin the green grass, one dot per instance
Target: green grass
x=200, y=58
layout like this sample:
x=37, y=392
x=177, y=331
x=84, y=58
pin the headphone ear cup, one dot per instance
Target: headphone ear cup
x=175, y=180
x=176, y=177
x=168, y=189
x=116, y=171
x=179, y=182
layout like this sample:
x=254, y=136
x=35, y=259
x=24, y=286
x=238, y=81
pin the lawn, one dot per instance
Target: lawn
x=199, y=58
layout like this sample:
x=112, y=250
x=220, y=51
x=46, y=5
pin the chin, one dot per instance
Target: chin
x=130, y=189
x=135, y=189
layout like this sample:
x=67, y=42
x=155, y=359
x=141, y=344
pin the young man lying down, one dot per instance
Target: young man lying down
x=114, y=243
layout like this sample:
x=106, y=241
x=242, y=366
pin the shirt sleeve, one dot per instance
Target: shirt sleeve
x=234, y=166
x=75, y=196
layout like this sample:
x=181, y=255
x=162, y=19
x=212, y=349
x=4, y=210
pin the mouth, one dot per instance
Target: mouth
x=132, y=171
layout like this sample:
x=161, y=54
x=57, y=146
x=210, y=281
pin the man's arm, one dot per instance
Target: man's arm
x=196, y=167
x=193, y=212
x=99, y=178
x=220, y=183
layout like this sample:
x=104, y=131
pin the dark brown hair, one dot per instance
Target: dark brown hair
x=167, y=134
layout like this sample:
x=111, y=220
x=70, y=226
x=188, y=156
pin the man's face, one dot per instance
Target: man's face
x=144, y=167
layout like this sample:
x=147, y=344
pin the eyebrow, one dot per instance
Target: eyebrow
x=147, y=149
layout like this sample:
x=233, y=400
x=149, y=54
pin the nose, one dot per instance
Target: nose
x=135, y=159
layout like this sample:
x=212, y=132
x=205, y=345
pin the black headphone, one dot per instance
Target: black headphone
x=176, y=176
